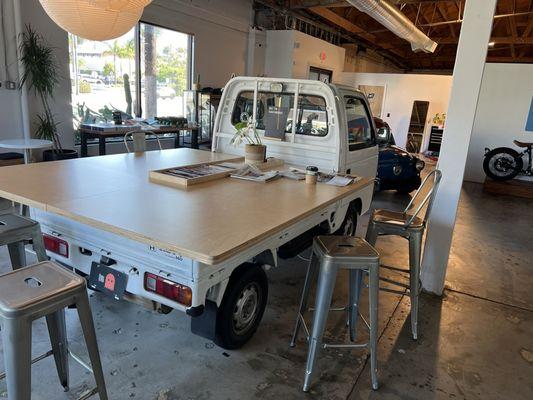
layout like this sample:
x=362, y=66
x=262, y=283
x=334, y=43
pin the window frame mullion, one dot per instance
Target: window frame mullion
x=137, y=39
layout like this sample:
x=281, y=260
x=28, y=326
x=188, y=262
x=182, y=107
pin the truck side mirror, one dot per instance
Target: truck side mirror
x=383, y=134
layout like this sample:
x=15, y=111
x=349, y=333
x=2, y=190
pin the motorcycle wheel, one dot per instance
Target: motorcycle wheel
x=502, y=164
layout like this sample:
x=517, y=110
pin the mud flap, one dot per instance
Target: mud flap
x=205, y=324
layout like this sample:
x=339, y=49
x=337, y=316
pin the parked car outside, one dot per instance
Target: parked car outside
x=397, y=169
x=166, y=92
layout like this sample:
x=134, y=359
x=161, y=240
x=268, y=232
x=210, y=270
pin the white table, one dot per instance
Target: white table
x=25, y=144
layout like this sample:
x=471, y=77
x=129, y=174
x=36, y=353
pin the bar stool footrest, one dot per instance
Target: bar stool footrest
x=344, y=346
x=36, y=359
x=76, y=358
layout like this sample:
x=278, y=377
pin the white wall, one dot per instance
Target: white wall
x=11, y=125
x=10, y=111
x=401, y=90
x=312, y=52
x=366, y=61
x=33, y=14
x=279, y=54
x=256, y=52
x=505, y=98
x=220, y=30
x=290, y=54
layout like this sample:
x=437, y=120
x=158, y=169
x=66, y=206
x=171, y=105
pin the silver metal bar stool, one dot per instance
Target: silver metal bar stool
x=331, y=253
x=26, y=294
x=410, y=226
x=14, y=231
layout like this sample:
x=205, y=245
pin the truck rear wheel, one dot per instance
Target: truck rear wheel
x=242, y=307
x=349, y=225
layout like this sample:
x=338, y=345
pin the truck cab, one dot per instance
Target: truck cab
x=326, y=125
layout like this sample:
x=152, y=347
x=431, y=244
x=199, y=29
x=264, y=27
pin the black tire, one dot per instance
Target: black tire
x=502, y=164
x=349, y=225
x=234, y=324
x=404, y=191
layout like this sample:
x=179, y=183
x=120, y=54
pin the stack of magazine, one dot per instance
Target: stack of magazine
x=252, y=173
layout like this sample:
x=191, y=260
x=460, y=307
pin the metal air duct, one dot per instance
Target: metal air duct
x=394, y=20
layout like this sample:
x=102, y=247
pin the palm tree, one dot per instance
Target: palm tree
x=128, y=52
x=150, y=71
x=114, y=50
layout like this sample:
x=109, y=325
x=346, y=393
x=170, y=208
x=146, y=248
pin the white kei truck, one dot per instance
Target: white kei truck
x=323, y=125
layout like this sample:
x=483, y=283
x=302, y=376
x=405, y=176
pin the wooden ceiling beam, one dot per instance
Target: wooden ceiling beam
x=345, y=24
x=529, y=28
x=351, y=27
x=337, y=4
x=445, y=17
x=526, y=33
x=317, y=3
x=502, y=59
x=453, y=41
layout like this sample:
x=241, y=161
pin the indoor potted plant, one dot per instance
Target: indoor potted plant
x=41, y=77
x=254, y=149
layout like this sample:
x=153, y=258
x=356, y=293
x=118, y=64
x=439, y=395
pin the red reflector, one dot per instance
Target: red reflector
x=171, y=290
x=56, y=245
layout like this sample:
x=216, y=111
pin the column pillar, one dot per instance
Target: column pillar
x=467, y=75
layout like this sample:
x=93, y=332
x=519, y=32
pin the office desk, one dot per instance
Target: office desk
x=86, y=134
x=209, y=222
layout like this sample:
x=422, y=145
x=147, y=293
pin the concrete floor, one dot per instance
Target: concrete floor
x=476, y=342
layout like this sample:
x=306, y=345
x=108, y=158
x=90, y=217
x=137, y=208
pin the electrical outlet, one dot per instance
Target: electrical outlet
x=10, y=85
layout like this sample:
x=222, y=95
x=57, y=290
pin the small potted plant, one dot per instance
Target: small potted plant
x=41, y=76
x=254, y=149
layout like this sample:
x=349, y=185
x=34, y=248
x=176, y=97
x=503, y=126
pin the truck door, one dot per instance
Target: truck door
x=361, y=147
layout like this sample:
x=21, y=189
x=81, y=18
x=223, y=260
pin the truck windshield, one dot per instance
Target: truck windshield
x=275, y=113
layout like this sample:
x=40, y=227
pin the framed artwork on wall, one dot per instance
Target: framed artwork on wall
x=375, y=96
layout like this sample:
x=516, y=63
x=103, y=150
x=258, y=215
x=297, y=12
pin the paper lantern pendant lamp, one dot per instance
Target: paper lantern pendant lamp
x=119, y=5
x=88, y=21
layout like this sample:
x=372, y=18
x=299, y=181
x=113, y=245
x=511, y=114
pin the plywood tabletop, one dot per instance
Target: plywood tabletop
x=209, y=222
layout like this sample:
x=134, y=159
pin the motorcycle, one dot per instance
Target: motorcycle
x=503, y=163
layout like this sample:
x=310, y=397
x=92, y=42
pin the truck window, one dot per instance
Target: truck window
x=312, y=117
x=360, y=133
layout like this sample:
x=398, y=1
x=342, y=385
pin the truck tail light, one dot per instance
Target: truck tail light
x=171, y=290
x=56, y=245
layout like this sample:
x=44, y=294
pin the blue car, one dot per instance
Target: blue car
x=397, y=169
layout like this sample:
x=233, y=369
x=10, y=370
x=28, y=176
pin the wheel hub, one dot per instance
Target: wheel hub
x=348, y=227
x=245, y=309
x=502, y=165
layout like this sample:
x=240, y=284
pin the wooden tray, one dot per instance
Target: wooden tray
x=188, y=175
